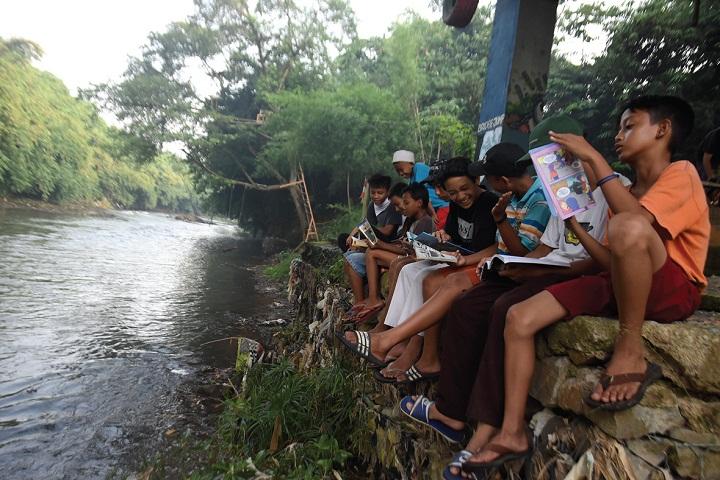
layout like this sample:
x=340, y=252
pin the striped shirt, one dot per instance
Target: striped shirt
x=528, y=216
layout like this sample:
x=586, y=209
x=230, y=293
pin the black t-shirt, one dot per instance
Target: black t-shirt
x=473, y=228
x=389, y=216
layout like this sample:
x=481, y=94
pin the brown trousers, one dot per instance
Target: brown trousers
x=472, y=382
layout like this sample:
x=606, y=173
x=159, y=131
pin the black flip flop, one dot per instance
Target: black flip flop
x=362, y=347
x=506, y=455
x=413, y=375
x=652, y=373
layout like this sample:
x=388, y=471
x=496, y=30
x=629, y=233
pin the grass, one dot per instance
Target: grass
x=280, y=269
x=345, y=220
x=284, y=424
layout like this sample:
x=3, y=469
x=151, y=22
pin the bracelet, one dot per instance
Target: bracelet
x=604, y=180
x=498, y=222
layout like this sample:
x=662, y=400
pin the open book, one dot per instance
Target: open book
x=566, y=186
x=358, y=243
x=424, y=252
x=367, y=230
x=494, y=264
x=433, y=242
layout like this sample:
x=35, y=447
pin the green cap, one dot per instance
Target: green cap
x=540, y=135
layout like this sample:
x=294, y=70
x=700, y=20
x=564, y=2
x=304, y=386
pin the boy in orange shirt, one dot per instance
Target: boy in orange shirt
x=652, y=266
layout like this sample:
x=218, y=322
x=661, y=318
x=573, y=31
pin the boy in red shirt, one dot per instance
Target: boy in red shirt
x=652, y=266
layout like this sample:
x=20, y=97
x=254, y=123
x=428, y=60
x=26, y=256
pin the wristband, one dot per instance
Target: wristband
x=498, y=222
x=604, y=180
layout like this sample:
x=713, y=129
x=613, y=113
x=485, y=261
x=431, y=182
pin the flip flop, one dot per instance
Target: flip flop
x=413, y=375
x=506, y=455
x=377, y=374
x=420, y=412
x=653, y=372
x=362, y=347
x=457, y=461
x=367, y=314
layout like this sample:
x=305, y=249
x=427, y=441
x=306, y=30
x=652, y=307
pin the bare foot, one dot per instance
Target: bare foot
x=396, y=351
x=380, y=327
x=626, y=359
x=425, y=368
x=515, y=442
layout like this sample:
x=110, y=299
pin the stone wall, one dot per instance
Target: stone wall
x=673, y=433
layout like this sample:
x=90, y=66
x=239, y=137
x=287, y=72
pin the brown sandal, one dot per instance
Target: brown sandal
x=652, y=373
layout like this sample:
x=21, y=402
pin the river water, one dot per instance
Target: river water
x=102, y=320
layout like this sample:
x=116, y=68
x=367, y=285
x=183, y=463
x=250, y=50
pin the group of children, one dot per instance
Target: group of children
x=637, y=254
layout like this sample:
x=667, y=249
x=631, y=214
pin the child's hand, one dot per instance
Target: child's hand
x=480, y=265
x=461, y=261
x=442, y=236
x=576, y=145
x=572, y=224
x=498, y=211
x=348, y=241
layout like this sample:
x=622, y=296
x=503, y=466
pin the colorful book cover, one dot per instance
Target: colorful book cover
x=566, y=186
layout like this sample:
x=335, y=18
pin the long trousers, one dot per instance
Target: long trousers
x=472, y=381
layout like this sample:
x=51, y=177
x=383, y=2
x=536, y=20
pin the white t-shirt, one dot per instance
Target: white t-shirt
x=594, y=220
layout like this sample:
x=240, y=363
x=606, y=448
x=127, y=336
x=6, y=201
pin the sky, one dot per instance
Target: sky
x=87, y=42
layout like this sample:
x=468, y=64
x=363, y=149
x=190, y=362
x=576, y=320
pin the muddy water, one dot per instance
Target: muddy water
x=102, y=321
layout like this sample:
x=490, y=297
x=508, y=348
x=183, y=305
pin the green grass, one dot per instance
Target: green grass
x=280, y=269
x=345, y=220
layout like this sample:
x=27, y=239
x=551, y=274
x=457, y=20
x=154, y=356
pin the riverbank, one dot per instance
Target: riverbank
x=78, y=208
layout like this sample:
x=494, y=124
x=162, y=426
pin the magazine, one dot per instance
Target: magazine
x=494, y=264
x=424, y=252
x=358, y=243
x=566, y=186
x=431, y=241
x=367, y=230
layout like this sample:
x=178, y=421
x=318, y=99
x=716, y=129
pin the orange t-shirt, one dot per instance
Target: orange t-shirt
x=677, y=200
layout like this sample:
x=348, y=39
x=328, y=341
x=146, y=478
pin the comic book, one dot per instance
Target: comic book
x=566, y=186
x=366, y=229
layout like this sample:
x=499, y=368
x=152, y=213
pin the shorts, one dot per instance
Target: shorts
x=441, y=214
x=357, y=261
x=468, y=270
x=672, y=296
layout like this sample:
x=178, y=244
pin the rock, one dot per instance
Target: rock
x=637, y=422
x=321, y=255
x=550, y=373
x=710, y=299
x=586, y=340
x=695, y=463
x=688, y=436
x=701, y=416
x=653, y=451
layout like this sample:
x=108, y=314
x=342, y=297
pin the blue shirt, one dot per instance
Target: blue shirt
x=528, y=216
x=420, y=172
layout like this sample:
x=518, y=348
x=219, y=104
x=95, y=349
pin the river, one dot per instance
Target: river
x=102, y=320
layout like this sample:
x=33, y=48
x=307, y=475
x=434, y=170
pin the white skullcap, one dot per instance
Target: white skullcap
x=403, y=156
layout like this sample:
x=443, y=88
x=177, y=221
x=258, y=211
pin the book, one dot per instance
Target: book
x=493, y=264
x=366, y=229
x=566, y=186
x=432, y=241
x=358, y=243
x=424, y=252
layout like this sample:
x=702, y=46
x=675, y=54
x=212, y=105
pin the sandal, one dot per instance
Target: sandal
x=362, y=347
x=457, y=462
x=506, y=455
x=378, y=375
x=413, y=375
x=651, y=374
x=420, y=412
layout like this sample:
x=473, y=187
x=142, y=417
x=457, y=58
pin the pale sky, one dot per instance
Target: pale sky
x=89, y=41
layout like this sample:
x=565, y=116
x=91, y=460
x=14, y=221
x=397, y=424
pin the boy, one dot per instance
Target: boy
x=653, y=263
x=384, y=219
x=405, y=166
x=520, y=214
x=415, y=208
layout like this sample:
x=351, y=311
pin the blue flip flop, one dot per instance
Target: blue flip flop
x=457, y=461
x=420, y=412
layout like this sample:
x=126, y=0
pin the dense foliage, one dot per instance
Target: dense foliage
x=55, y=147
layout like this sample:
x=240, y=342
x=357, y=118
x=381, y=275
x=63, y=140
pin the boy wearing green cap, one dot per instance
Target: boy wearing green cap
x=652, y=266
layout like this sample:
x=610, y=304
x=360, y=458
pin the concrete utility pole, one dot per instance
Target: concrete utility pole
x=522, y=38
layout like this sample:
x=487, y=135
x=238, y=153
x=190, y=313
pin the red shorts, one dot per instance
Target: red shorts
x=441, y=214
x=468, y=270
x=672, y=296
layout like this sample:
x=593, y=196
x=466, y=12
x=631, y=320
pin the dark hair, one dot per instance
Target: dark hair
x=456, y=167
x=418, y=192
x=397, y=190
x=661, y=107
x=380, y=181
